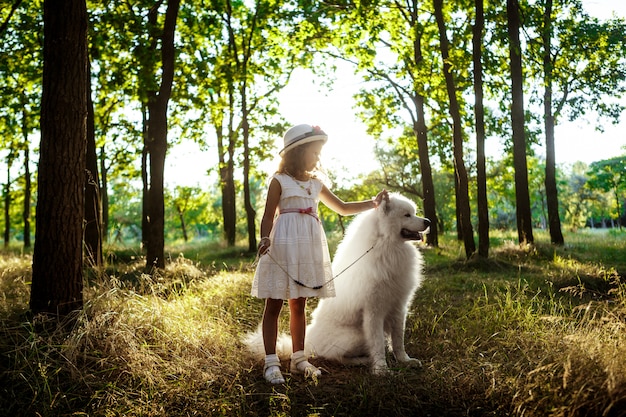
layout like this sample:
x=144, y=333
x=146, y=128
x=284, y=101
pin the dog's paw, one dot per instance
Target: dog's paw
x=379, y=367
x=412, y=362
x=381, y=371
x=405, y=359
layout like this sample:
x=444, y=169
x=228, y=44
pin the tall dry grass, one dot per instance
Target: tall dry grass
x=535, y=331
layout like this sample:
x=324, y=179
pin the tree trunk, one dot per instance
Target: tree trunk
x=104, y=195
x=479, y=112
x=462, y=188
x=522, y=197
x=157, y=141
x=27, y=185
x=57, y=274
x=421, y=133
x=93, y=212
x=225, y=153
x=428, y=186
x=229, y=195
x=27, y=196
x=181, y=217
x=145, y=189
x=457, y=201
x=7, y=202
x=227, y=187
x=552, y=198
x=157, y=148
x=250, y=212
x=230, y=209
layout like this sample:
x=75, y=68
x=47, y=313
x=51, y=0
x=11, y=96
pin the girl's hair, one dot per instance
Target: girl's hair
x=291, y=164
x=292, y=161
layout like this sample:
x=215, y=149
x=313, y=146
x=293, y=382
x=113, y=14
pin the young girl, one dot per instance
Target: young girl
x=295, y=262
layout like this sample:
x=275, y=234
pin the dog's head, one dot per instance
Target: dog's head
x=398, y=219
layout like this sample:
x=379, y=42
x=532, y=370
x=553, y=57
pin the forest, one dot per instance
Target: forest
x=121, y=296
x=438, y=80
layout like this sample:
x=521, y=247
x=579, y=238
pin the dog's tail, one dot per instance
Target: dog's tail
x=254, y=343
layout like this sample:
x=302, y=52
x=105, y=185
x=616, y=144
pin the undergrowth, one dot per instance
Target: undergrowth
x=532, y=331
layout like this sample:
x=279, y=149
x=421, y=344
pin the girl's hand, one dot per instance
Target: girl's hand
x=264, y=245
x=383, y=195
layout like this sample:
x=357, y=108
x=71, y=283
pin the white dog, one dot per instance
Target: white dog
x=377, y=270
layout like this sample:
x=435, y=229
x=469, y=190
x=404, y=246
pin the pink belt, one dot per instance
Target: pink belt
x=308, y=210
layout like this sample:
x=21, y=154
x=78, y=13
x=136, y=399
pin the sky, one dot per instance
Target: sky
x=349, y=151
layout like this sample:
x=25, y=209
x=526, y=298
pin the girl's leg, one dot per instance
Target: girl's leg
x=297, y=325
x=270, y=324
x=271, y=370
x=297, y=322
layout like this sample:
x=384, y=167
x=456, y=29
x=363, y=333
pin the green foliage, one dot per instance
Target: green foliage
x=610, y=176
x=125, y=209
x=224, y=47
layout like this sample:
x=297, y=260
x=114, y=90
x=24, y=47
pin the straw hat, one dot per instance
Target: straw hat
x=301, y=134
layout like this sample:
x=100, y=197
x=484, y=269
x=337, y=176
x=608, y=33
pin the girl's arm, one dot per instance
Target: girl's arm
x=271, y=203
x=352, y=207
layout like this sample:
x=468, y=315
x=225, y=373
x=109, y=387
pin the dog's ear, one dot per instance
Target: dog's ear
x=386, y=206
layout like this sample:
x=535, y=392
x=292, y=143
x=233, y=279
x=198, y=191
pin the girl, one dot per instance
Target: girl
x=298, y=264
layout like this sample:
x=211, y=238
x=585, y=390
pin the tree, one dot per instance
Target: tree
x=238, y=57
x=183, y=201
x=114, y=29
x=479, y=120
x=7, y=199
x=522, y=197
x=389, y=49
x=462, y=186
x=156, y=139
x=27, y=179
x=609, y=175
x=597, y=76
x=20, y=90
x=577, y=197
x=264, y=61
x=93, y=202
x=57, y=280
x=554, y=221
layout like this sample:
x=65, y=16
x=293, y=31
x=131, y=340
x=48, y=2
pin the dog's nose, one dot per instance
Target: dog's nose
x=427, y=222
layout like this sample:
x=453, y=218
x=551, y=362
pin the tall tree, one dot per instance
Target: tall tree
x=463, y=211
x=400, y=84
x=57, y=280
x=479, y=121
x=208, y=82
x=26, y=209
x=554, y=221
x=157, y=134
x=522, y=196
x=239, y=56
x=116, y=90
x=609, y=175
x=588, y=87
x=93, y=202
x=20, y=89
x=7, y=198
x=258, y=50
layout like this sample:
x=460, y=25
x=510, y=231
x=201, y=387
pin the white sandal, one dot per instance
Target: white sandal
x=271, y=372
x=300, y=365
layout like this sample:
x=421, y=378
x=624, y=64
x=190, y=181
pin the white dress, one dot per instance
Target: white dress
x=298, y=263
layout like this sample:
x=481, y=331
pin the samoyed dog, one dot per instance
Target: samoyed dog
x=377, y=271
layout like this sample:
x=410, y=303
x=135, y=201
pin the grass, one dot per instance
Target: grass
x=536, y=331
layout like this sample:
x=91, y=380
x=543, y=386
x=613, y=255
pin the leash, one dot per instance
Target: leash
x=317, y=287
